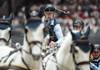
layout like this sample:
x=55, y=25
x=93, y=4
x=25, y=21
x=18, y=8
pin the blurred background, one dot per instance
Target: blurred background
x=74, y=6
x=87, y=10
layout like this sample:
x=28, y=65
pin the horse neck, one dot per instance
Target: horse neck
x=67, y=42
x=66, y=45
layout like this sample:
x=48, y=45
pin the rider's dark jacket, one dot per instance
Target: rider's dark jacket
x=53, y=28
x=95, y=64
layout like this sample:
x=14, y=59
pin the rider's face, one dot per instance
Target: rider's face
x=96, y=54
x=78, y=27
x=49, y=14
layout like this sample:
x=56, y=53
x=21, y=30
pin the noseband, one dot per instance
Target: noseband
x=80, y=63
x=35, y=42
x=3, y=39
x=83, y=63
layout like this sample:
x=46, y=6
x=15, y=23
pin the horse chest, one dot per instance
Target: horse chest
x=18, y=61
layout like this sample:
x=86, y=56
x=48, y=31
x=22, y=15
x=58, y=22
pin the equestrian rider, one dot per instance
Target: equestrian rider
x=80, y=37
x=95, y=62
x=52, y=27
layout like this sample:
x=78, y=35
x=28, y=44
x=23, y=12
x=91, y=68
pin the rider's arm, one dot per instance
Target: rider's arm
x=59, y=34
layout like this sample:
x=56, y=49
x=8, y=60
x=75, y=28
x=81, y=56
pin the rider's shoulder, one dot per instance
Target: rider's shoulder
x=56, y=22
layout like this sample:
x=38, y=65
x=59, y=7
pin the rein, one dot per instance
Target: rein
x=73, y=51
x=33, y=42
x=58, y=64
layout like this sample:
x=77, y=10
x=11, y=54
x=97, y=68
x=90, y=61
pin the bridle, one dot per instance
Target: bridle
x=32, y=42
x=74, y=51
x=3, y=39
x=30, y=52
x=35, y=42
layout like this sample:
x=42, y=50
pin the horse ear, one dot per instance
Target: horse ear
x=26, y=29
x=8, y=28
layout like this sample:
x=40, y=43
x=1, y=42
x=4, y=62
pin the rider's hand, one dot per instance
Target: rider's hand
x=52, y=44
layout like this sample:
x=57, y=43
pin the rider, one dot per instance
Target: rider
x=52, y=27
x=95, y=62
x=78, y=30
x=80, y=37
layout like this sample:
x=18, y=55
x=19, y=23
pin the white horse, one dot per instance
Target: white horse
x=66, y=58
x=28, y=56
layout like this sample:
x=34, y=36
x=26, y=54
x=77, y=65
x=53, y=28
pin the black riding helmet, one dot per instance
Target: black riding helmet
x=96, y=47
x=49, y=7
x=78, y=23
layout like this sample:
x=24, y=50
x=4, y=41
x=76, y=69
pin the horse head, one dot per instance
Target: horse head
x=28, y=55
x=34, y=37
x=72, y=55
x=81, y=54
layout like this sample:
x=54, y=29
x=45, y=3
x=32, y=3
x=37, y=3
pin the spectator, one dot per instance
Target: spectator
x=94, y=36
x=95, y=62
